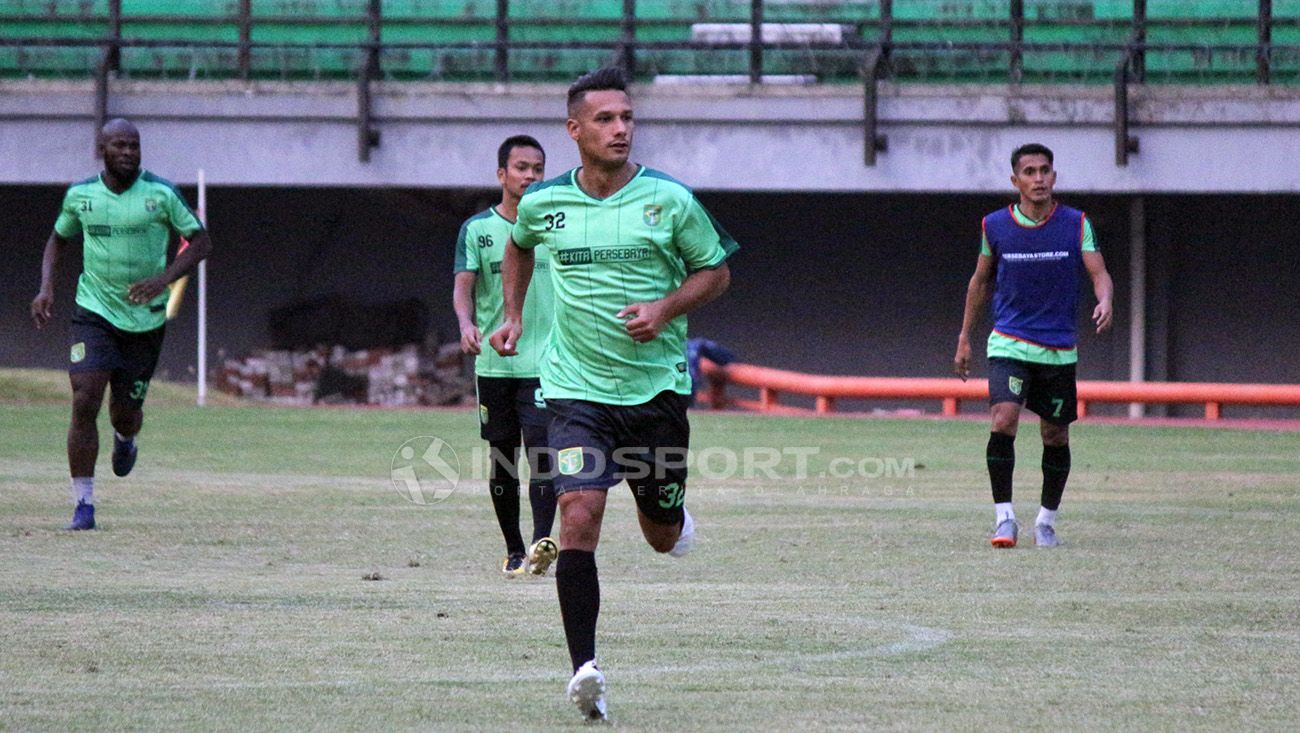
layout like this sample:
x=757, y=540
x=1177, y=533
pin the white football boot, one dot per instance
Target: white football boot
x=587, y=691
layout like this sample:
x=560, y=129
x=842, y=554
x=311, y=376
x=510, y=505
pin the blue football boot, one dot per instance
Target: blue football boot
x=83, y=517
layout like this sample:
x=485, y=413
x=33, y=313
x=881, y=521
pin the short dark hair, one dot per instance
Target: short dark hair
x=1029, y=149
x=517, y=141
x=609, y=77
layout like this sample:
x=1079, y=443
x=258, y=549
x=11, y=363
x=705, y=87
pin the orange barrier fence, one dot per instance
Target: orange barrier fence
x=772, y=383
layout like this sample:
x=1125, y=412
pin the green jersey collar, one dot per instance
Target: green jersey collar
x=138, y=177
x=501, y=216
x=573, y=176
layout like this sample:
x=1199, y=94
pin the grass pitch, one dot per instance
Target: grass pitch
x=225, y=590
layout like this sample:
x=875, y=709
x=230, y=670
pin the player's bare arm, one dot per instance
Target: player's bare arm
x=145, y=290
x=978, y=293
x=516, y=274
x=43, y=304
x=649, y=319
x=1102, y=287
x=462, y=298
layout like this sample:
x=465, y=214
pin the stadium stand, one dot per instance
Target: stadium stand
x=1030, y=41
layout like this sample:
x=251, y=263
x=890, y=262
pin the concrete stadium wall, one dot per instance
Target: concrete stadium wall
x=723, y=138
x=867, y=284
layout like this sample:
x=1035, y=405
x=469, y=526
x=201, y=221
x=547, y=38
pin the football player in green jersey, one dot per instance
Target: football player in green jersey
x=509, y=394
x=124, y=217
x=632, y=251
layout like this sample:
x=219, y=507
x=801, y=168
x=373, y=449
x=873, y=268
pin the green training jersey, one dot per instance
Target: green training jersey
x=635, y=246
x=125, y=239
x=1006, y=347
x=480, y=249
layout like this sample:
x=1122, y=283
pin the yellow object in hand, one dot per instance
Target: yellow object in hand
x=176, y=296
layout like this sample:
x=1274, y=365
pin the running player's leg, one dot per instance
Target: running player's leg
x=582, y=435
x=499, y=426
x=658, y=480
x=83, y=433
x=124, y=413
x=1054, y=396
x=128, y=387
x=93, y=358
x=576, y=578
x=1008, y=380
x=577, y=584
x=83, y=442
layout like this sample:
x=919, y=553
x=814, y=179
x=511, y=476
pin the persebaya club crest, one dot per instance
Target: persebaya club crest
x=570, y=461
x=1015, y=384
x=651, y=214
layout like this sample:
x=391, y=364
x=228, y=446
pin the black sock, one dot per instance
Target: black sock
x=579, y=591
x=503, y=485
x=1056, y=469
x=541, y=496
x=1001, y=458
x=541, y=492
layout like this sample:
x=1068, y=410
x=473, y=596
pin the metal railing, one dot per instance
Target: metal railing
x=870, y=40
x=825, y=390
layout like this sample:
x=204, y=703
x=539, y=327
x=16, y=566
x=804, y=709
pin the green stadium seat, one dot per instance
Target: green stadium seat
x=309, y=39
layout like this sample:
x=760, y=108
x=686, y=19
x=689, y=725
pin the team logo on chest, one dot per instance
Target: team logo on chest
x=651, y=214
x=150, y=205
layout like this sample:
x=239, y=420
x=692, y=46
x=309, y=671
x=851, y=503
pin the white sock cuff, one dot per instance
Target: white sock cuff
x=1004, y=511
x=83, y=489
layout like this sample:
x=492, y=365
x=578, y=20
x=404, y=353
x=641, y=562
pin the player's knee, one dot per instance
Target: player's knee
x=85, y=406
x=1006, y=418
x=580, y=521
x=1055, y=435
x=502, y=467
x=577, y=514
